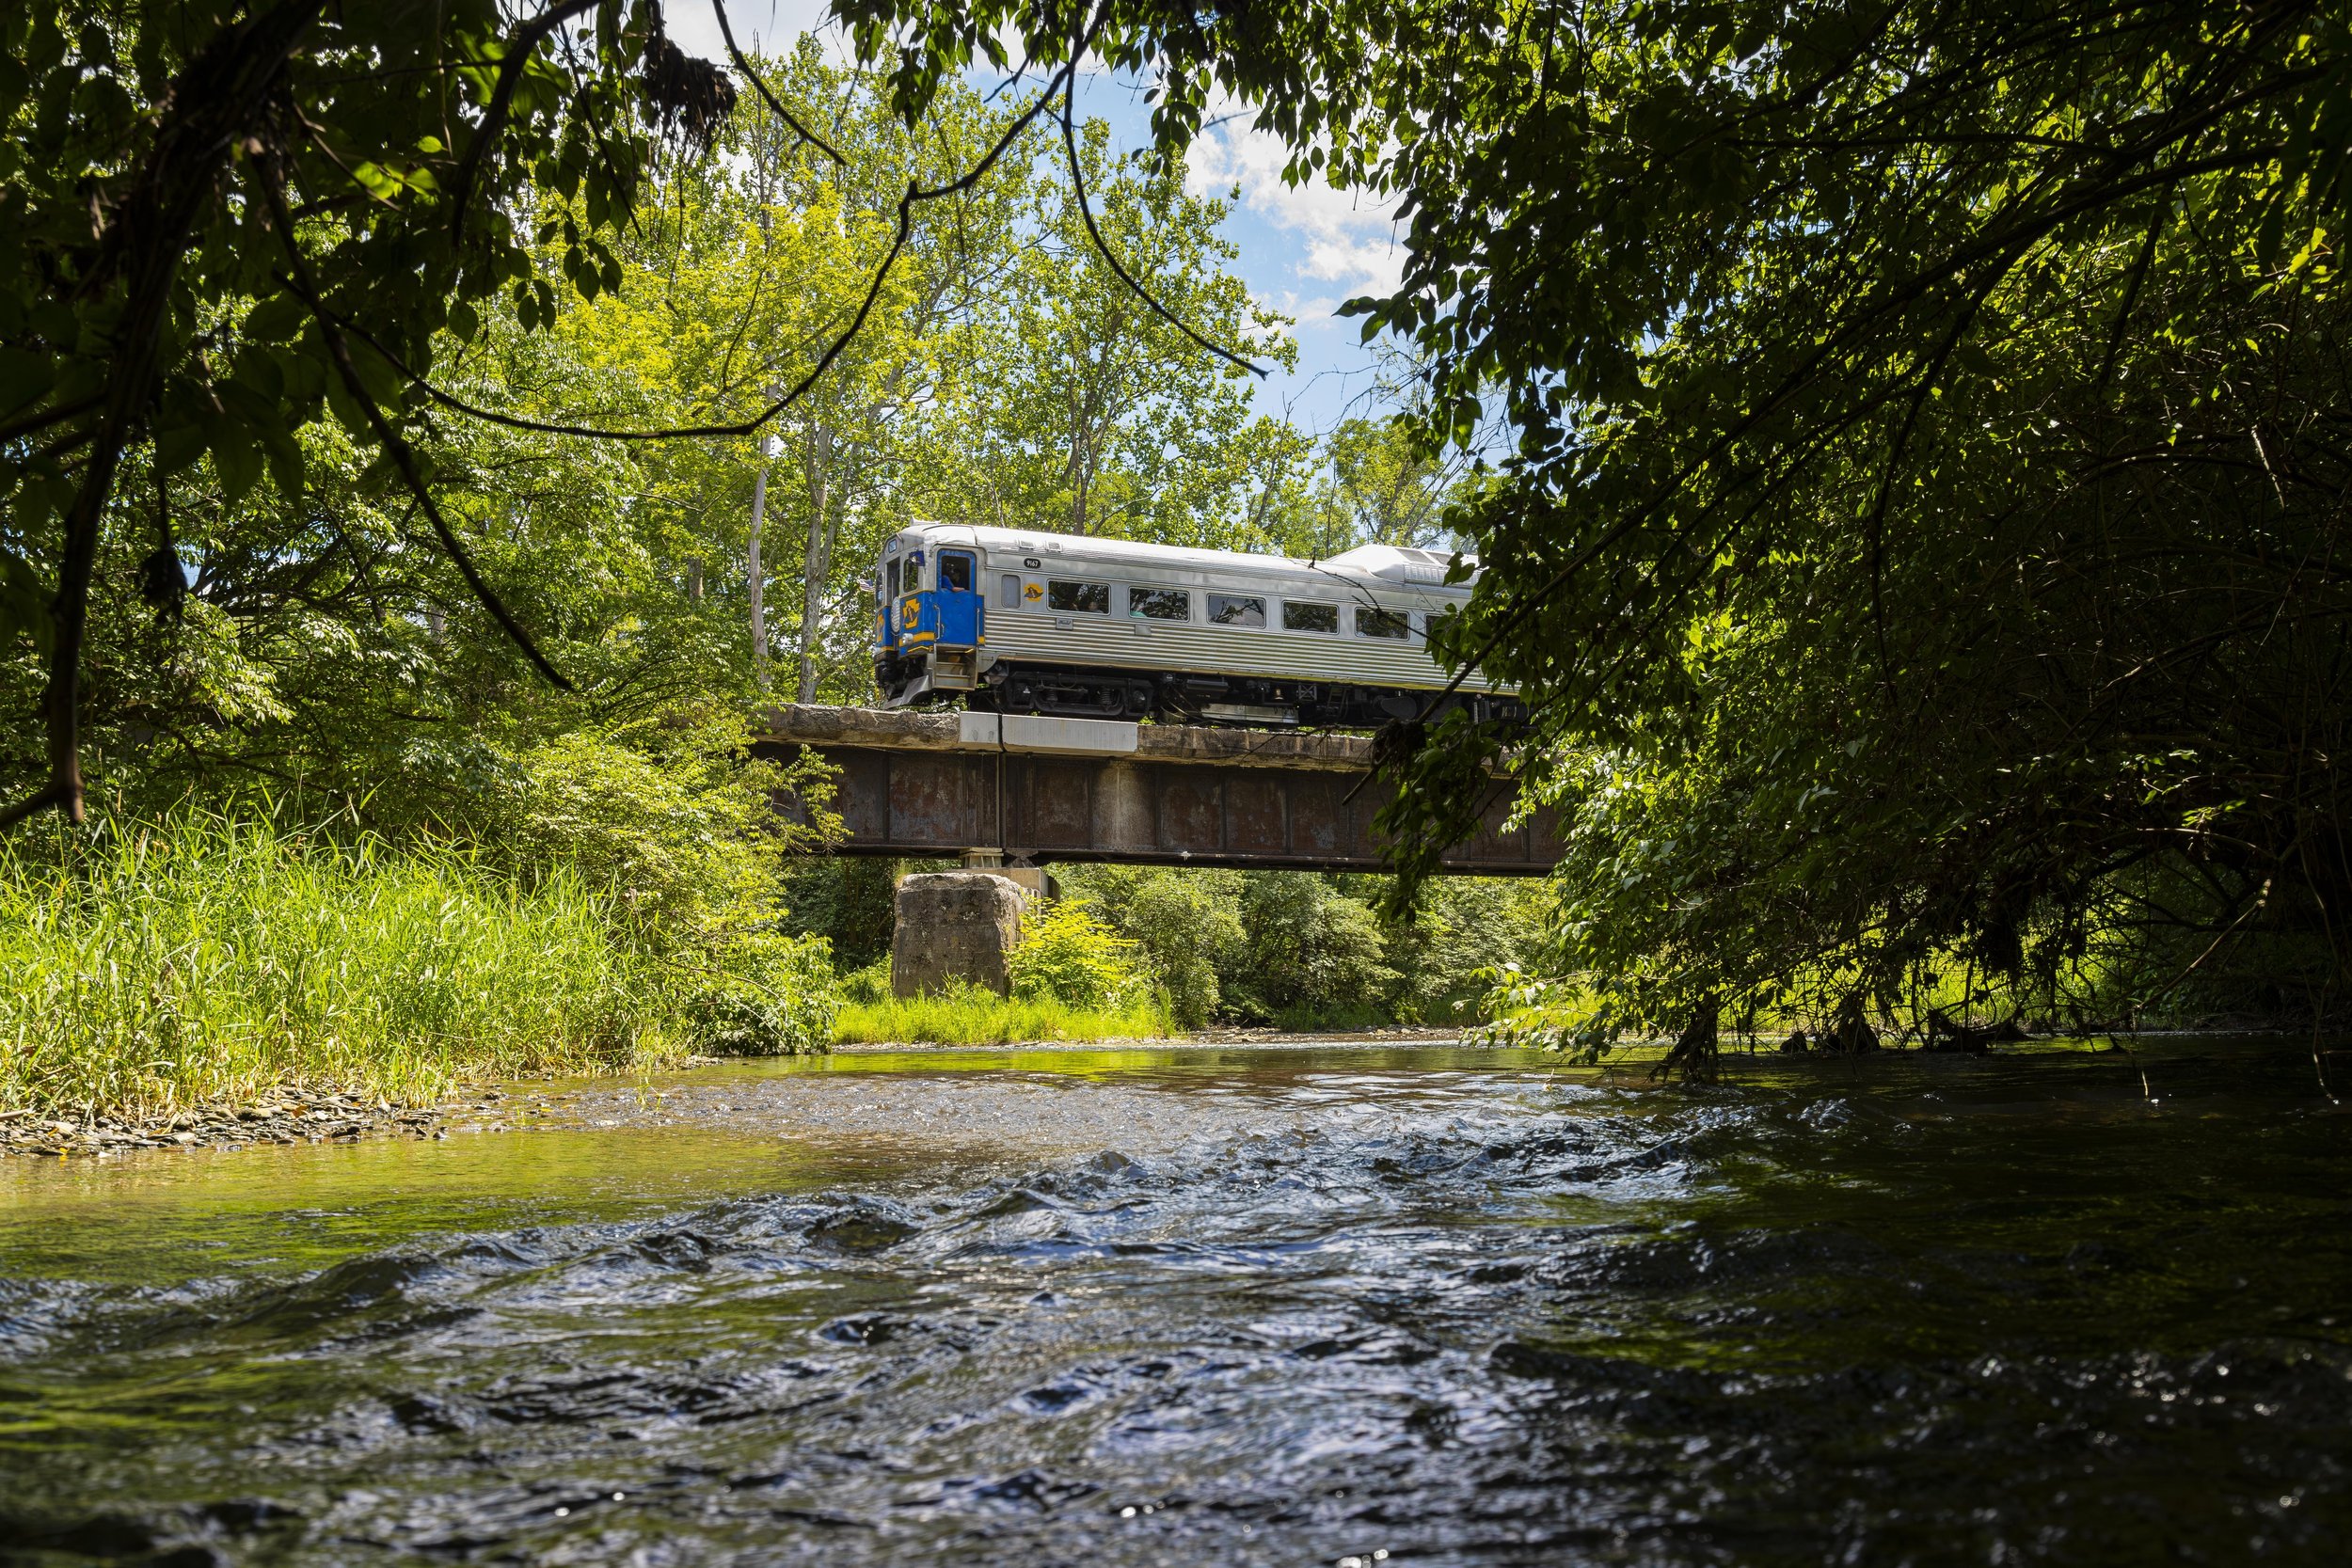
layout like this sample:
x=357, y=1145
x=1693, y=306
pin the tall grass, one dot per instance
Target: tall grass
x=970, y=1016
x=199, y=959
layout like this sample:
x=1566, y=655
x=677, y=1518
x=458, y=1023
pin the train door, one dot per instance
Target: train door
x=959, y=599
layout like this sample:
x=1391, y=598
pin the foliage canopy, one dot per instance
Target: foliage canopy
x=1921, y=533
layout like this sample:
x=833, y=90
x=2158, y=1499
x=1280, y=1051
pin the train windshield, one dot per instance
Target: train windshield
x=890, y=580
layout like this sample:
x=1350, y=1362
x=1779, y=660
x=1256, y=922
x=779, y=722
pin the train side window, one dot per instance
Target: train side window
x=1309, y=617
x=1091, y=599
x=1371, y=622
x=1228, y=609
x=1160, y=603
x=955, y=572
x=1008, y=591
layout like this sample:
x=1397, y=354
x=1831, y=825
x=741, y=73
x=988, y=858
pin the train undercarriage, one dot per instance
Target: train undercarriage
x=1248, y=702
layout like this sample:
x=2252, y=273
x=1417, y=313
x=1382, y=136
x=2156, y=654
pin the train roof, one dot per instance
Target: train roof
x=1392, y=566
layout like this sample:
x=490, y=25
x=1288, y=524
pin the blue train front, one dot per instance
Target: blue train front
x=1017, y=621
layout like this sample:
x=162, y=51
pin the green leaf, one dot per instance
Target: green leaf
x=276, y=319
x=284, y=454
x=385, y=383
x=235, y=458
x=24, y=377
x=177, y=446
x=23, y=602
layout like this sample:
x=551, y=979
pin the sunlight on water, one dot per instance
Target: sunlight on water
x=1232, y=1304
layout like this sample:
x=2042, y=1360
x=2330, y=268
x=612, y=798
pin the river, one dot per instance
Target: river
x=1342, y=1304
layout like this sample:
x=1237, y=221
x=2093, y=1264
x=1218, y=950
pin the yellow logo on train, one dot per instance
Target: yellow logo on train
x=1033, y=592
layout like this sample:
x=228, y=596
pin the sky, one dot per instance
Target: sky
x=1303, y=251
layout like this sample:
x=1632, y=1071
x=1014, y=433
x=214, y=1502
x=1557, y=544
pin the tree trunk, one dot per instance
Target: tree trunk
x=694, y=580
x=820, y=561
x=213, y=106
x=757, y=574
x=1077, y=468
x=1693, y=1054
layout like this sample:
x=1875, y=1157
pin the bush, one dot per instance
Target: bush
x=869, y=984
x=1067, y=956
x=850, y=902
x=1463, y=929
x=678, y=823
x=675, y=817
x=775, y=996
x=1185, y=926
x=1314, y=955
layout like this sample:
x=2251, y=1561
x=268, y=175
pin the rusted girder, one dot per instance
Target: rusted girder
x=948, y=785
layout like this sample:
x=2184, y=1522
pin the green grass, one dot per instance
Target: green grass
x=976, y=1016
x=201, y=959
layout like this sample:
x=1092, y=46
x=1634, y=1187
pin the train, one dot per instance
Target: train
x=1023, y=621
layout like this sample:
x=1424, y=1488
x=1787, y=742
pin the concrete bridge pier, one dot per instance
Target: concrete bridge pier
x=955, y=926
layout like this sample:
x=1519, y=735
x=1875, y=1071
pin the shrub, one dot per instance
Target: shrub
x=675, y=817
x=1185, y=926
x=1315, y=954
x=864, y=986
x=678, y=823
x=1067, y=956
x=1462, y=930
x=774, y=996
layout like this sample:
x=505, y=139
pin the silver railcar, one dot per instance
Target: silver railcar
x=1023, y=621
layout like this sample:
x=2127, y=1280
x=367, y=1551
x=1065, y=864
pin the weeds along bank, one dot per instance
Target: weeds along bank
x=1295, y=949
x=157, y=965
x=151, y=966
x=1073, y=978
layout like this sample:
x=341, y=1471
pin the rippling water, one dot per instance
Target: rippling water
x=1230, y=1305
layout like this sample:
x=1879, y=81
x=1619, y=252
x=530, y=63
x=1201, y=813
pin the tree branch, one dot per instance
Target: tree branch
x=518, y=52
x=404, y=457
x=214, y=105
x=1078, y=184
x=775, y=105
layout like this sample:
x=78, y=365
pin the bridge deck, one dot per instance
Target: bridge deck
x=1036, y=790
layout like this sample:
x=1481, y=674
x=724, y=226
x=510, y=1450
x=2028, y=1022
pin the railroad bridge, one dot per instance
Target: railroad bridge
x=1022, y=791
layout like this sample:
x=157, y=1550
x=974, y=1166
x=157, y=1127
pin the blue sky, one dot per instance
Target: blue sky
x=1302, y=252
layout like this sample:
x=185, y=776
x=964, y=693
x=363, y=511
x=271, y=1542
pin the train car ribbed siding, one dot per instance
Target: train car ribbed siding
x=1075, y=624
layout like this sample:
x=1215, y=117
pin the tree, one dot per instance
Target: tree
x=205, y=202
x=1918, y=533
x=1387, y=490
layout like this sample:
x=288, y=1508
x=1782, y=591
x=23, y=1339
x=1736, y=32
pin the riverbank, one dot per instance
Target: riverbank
x=150, y=972
x=691, y=1091
x=291, y=1118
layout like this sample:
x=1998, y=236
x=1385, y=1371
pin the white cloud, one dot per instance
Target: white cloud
x=693, y=26
x=1341, y=240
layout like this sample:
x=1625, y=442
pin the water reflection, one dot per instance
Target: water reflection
x=1243, y=1304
